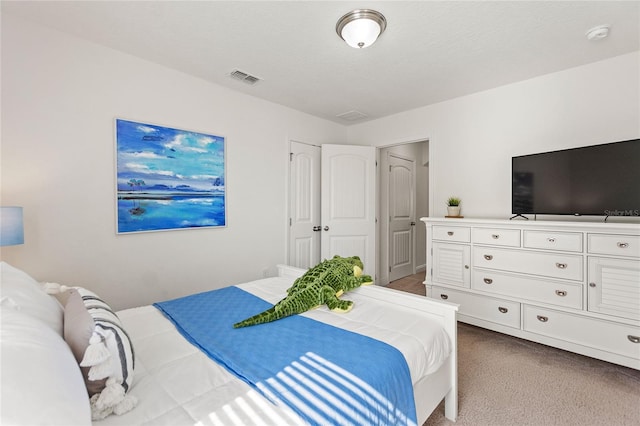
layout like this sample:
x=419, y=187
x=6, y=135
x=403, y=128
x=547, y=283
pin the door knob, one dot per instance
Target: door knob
x=326, y=228
x=317, y=228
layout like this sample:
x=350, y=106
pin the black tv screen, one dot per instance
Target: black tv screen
x=599, y=180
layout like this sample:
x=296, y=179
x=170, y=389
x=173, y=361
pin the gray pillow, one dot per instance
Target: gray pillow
x=78, y=329
x=103, y=351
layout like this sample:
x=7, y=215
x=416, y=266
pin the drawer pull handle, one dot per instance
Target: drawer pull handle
x=488, y=256
x=623, y=245
x=444, y=297
x=592, y=285
x=450, y=233
x=561, y=293
x=503, y=310
x=551, y=240
x=634, y=339
x=561, y=265
x=488, y=280
x=495, y=236
x=542, y=319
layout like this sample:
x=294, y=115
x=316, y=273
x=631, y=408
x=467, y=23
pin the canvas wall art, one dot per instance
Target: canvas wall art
x=168, y=178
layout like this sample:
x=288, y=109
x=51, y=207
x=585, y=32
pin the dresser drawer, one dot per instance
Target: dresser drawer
x=563, y=294
x=554, y=265
x=481, y=307
x=457, y=234
x=548, y=240
x=608, y=336
x=497, y=236
x=615, y=245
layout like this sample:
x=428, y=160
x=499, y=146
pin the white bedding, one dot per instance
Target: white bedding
x=176, y=384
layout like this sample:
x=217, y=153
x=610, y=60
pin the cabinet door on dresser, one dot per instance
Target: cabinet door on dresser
x=614, y=287
x=451, y=264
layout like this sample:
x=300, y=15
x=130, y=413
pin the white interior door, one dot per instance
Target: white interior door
x=348, y=206
x=304, y=208
x=402, y=218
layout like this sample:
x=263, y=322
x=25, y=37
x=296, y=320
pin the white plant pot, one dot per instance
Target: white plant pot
x=453, y=210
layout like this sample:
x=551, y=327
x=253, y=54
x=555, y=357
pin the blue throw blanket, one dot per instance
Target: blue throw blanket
x=325, y=374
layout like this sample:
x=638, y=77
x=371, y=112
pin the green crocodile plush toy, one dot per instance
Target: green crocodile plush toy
x=321, y=285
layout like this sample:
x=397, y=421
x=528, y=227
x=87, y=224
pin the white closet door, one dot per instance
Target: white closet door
x=304, y=208
x=349, y=203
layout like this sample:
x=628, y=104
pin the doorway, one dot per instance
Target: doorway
x=410, y=196
x=403, y=200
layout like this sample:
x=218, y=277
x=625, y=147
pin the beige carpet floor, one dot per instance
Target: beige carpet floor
x=504, y=380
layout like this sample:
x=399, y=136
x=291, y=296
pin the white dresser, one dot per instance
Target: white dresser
x=572, y=285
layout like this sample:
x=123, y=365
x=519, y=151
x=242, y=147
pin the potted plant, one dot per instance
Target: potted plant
x=453, y=206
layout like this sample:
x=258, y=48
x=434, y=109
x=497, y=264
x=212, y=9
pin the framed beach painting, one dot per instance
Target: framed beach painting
x=168, y=178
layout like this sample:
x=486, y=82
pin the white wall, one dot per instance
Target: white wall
x=473, y=138
x=60, y=96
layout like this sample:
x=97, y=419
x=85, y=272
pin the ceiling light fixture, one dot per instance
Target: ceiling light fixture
x=360, y=28
x=598, y=33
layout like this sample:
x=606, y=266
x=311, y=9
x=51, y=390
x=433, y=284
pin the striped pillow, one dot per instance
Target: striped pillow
x=103, y=350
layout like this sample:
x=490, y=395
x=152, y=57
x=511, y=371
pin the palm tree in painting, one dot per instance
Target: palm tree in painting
x=136, y=210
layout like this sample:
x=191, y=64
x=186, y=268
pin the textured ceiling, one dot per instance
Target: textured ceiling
x=431, y=51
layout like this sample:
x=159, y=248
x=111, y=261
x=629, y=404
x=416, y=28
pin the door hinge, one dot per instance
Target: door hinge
x=389, y=269
x=291, y=156
x=290, y=222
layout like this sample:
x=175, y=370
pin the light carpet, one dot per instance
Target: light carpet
x=504, y=380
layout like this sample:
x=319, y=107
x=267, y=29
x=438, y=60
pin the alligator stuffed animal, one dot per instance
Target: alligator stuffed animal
x=321, y=285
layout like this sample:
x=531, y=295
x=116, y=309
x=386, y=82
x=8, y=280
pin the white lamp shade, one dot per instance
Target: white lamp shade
x=11, y=226
x=361, y=33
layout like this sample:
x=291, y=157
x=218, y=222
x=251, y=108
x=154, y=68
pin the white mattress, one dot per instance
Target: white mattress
x=176, y=384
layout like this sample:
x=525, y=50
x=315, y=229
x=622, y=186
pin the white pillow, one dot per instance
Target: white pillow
x=21, y=292
x=41, y=383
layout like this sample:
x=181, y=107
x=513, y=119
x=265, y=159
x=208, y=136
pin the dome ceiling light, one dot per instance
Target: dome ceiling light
x=360, y=28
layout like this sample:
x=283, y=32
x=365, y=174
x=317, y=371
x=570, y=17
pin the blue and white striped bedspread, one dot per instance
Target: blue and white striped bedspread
x=325, y=374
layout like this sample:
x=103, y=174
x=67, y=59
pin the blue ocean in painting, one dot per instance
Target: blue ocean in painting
x=170, y=212
x=168, y=178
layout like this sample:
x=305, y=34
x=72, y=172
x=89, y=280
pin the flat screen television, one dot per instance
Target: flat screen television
x=598, y=180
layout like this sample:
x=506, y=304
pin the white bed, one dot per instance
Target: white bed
x=177, y=384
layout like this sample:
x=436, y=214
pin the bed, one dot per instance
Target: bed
x=175, y=382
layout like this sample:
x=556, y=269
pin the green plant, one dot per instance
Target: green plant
x=453, y=201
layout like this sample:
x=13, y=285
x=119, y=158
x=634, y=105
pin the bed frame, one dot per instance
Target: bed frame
x=443, y=384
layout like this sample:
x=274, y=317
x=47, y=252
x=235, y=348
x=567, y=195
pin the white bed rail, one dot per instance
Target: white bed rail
x=443, y=383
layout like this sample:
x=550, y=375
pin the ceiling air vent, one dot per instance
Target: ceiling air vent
x=352, y=115
x=244, y=77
